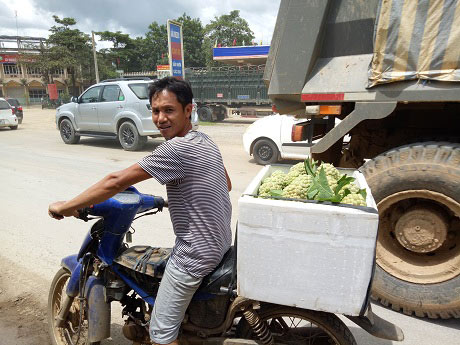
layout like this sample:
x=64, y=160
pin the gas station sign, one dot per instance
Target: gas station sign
x=176, y=49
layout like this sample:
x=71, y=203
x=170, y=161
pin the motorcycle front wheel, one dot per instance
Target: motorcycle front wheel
x=75, y=330
x=293, y=326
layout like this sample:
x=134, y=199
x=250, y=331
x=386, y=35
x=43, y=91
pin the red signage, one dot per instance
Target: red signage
x=176, y=51
x=8, y=58
x=162, y=67
x=220, y=95
x=52, y=91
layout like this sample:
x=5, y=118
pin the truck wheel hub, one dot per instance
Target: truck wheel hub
x=413, y=225
x=421, y=230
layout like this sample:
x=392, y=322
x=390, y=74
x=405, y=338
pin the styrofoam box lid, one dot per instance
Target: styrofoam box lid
x=253, y=187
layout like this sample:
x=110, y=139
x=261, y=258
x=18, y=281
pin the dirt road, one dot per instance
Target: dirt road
x=37, y=168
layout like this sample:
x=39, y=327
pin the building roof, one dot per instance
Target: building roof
x=241, y=55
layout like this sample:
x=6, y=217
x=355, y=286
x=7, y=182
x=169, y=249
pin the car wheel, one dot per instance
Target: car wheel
x=67, y=131
x=265, y=152
x=14, y=127
x=129, y=137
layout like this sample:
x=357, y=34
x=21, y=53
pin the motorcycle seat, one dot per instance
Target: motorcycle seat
x=152, y=262
x=145, y=259
x=221, y=276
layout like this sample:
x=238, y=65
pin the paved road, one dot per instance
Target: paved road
x=36, y=168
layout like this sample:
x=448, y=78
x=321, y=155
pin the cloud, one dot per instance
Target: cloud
x=134, y=17
x=131, y=17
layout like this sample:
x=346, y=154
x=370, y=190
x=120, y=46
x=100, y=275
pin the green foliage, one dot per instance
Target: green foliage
x=71, y=49
x=66, y=48
x=155, y=49
x=126, y=53
x=224, y=30
x=193, y=33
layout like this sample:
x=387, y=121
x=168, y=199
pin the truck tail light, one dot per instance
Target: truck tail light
x=12, y=111
x=323, y=110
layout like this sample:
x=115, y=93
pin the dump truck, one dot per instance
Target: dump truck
x=389, y=70
x=241, y=88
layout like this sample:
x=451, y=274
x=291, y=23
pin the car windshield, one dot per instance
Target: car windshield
x=141, y=90
x=13, y=102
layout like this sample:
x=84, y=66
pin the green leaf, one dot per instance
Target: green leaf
x=321, y=185
x=342, y=182
x=276, y=192
x=363, y=193
x=311, y=193
x=310, y=167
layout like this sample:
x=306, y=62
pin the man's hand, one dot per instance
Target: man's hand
x=57, y=211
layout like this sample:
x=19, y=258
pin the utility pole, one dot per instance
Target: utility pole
x=95, y=59
x=17, y=28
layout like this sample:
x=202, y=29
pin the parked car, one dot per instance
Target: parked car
x=17, y=108
x=269, y=140
x=7, y=116
x=115, y=108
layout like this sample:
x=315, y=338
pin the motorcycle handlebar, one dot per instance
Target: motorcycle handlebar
x=147, y=202
x=83, y=213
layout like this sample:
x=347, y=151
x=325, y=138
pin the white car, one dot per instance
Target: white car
x=269, y=140
x=7, y=117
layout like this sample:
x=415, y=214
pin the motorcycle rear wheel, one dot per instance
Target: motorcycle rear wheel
x=293, y=326
x=68, y=335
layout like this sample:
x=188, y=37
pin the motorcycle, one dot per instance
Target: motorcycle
x=107, y=270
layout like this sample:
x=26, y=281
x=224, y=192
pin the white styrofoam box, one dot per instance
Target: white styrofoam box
x=309, y=255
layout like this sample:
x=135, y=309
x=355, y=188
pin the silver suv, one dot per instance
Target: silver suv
x=115, y=108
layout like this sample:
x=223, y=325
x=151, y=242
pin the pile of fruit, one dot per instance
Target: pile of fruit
x=308, y=180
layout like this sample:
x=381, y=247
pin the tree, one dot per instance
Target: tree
x=126, y=52
x=193, y=33
x=226, y=30
x=69, y=49
x=155, y=48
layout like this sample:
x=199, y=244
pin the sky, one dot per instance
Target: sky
x=34, y=17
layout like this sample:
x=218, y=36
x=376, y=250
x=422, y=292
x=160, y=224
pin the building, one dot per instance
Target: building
x=241, y=55
x=25, y=82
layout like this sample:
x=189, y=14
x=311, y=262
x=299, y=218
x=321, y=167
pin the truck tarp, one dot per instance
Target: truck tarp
x=416, y=39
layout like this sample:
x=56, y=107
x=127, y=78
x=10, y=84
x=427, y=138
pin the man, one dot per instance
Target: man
x=197, y=184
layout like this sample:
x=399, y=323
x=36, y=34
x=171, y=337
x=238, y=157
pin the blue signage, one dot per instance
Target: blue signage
x=176, y=55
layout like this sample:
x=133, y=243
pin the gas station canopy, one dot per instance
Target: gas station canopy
x=241, y=55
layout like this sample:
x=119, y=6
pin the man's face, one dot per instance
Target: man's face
x=169, y=116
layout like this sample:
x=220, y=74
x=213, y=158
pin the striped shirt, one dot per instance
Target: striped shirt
x=198, y=198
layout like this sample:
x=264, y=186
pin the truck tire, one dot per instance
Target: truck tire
x=265, y=152
x=220, y=112
x=129, y=137
x=417, y=191
x=205, y=114
x=67, y=132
